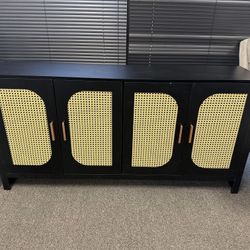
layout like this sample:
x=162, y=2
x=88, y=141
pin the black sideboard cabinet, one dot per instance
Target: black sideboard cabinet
x=169, y=122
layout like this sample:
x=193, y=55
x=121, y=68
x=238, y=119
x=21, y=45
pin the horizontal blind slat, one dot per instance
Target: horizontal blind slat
x=169, y=31
x=82, y=31
x=190, y=31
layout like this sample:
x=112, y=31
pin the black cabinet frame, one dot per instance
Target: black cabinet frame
x=55, y=85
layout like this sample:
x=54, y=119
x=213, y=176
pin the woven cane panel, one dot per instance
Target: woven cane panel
x=90, y=122
x=216, y=131
x=26, y=126
x=154, y=125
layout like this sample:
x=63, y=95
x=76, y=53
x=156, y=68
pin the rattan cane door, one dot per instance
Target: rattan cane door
x=155, y=116
x=217, y=117
x=28, y=125
x=90, y=116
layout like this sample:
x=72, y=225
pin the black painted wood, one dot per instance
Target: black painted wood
x=176, y=73
x=43, y=88
x=65, y=79
x=180, y=93
x=64, y=89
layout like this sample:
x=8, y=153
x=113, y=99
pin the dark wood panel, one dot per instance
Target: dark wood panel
x=129, y=72
x=180, y=93
x=64, y=90
x=44, y=89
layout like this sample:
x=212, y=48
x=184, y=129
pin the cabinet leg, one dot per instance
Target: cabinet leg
x=7, y=182
x=235, y=185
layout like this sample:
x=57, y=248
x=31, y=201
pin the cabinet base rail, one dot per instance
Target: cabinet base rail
x=234, y=183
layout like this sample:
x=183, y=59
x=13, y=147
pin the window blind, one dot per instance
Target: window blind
x=89, y=31
x=231, y=25
x=23, y=32
x=187, y=31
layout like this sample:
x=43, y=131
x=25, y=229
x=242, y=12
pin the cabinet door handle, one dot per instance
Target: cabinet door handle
x=191, y=130
x=52, y=131
x=180, y=134
x=64, y=131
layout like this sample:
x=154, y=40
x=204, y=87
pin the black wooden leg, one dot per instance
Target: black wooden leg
x=7, y=182
x=235, y=185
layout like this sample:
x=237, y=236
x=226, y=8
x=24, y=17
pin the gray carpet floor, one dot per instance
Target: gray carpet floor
x=124, y=214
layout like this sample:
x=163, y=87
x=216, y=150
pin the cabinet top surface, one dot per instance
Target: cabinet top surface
x=119, y=72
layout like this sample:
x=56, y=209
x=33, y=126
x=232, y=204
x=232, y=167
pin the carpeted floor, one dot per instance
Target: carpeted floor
x=119, y=214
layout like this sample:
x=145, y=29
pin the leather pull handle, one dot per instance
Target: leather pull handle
x=180, y=134
x=52, y=131
x=191, y=131
x=64, y=131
